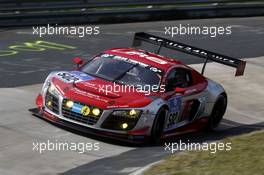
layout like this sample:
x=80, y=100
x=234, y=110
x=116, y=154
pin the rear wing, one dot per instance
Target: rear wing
x=207, y=55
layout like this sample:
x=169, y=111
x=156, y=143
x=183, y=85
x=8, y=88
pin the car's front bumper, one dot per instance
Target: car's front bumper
x=140, y=133
x=91, y=131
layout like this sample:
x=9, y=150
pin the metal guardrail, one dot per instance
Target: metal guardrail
x=29, y=5
x=28, y=12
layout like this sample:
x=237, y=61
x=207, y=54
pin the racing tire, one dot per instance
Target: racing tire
x=218, y=112
x=158, y=125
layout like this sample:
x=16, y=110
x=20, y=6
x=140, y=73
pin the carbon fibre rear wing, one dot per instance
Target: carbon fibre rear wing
x=207, y=55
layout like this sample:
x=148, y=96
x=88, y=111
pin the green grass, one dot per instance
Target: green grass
x=245, y=158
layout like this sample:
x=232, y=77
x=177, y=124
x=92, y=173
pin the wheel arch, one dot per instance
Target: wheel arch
x=154, y=137
x=214, y=90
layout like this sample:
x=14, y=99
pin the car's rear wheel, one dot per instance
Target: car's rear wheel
x=158, y=126
x=217, y=113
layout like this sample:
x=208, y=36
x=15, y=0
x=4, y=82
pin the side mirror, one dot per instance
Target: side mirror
x=180, y=90
x=78, y=61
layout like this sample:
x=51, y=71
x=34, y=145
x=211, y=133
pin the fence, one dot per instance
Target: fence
x=29, y=12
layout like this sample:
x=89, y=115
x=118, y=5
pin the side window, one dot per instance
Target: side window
x=178, y=77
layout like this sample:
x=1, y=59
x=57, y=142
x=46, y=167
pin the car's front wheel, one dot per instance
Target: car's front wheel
x=218, y=112
x=158, y=126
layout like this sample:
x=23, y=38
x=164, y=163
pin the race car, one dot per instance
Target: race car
x=135, y=95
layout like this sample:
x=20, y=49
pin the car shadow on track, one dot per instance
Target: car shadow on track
x=84, y=134
x=226, y=129
x=145, y=154
x=132, y=160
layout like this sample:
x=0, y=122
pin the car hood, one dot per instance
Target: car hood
x=94, y=91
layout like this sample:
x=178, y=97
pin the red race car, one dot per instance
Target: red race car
x=135, y=95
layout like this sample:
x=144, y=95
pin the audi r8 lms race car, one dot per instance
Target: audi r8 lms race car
x=135, y=95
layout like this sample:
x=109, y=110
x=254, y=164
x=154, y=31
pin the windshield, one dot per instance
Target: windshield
x=123, y=70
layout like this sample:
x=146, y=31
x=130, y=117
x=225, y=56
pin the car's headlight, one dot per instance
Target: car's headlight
x=53, y=90
x=133, y=113
x=47, y=82
x=122, y=119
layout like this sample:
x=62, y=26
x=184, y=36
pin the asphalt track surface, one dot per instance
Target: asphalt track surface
x=31, y=67
x=21, y=74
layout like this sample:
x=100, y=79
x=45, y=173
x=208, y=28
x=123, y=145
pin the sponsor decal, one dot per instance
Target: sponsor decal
x=79, y=92
x=77, y=108
x=131, y=61
x=175, y=104
x=117, y=106
x=193, y=50
x=74, y=76
x=80, y=109
x=82, y=76
x=85, y=110
x=143, y=55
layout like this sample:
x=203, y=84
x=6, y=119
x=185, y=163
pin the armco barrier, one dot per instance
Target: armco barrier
x=26, y=12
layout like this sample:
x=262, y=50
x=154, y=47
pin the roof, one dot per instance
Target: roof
x=158, y=61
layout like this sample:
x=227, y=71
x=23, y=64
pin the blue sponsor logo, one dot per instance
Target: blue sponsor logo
x=175, y=103
x=77, y=108
x=81, y=76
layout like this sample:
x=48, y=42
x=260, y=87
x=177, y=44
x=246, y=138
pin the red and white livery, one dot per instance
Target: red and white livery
x=135, y=95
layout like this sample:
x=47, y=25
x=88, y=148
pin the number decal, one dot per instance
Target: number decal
x=67, y=77
x=172, y=118
x=174, y=110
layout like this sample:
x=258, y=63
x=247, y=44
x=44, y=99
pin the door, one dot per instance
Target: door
x=183, y=107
